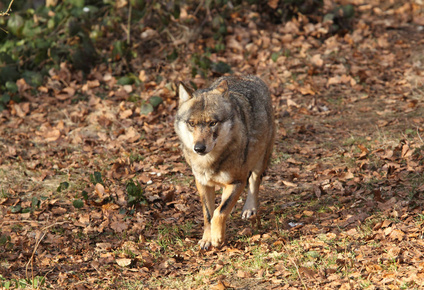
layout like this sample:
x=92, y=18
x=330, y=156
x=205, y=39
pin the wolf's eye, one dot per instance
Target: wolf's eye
x=191, y=123
x=213, y=123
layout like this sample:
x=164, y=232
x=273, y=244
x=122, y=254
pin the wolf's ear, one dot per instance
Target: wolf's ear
x=184, y=92
x=222, y=87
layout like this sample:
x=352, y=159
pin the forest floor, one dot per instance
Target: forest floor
x=95, y=194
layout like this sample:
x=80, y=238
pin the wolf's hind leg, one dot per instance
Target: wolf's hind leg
x=251, y=206
x=207, y=196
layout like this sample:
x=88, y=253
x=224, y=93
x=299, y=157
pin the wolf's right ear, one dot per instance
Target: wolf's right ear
x=184, y=92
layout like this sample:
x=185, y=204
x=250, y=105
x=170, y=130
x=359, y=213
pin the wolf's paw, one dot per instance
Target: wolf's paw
x=217, y=241
x=248, y=213
x=218, y=230
x=204, y=244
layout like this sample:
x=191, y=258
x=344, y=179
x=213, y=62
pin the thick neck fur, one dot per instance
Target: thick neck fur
x=217, y=166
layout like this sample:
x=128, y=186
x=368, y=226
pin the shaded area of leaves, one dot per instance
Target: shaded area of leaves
x=38, y=38
x=94, y=190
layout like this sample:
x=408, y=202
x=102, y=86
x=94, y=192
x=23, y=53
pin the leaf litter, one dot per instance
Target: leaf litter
x=342, y=203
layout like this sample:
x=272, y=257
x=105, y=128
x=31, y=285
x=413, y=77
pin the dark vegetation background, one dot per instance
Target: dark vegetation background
x=40, y=35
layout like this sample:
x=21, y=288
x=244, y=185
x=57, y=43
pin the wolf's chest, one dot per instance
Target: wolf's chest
x=207, y=177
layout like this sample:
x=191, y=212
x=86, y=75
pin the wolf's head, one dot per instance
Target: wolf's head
x=204, y=119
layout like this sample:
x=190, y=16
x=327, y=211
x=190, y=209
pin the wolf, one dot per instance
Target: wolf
x=227, y=135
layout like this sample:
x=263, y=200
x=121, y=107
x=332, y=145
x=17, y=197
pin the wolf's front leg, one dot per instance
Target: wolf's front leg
x=207, y=196
x=230, y=196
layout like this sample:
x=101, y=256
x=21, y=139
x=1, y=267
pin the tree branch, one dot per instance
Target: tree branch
x=6, y=13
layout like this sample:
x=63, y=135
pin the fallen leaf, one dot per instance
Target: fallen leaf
x=125, y=114
x=119, y=227
x=218, y=286
x=273, y=4
x=100, y=190
x=397, y=235
x=51, y=135
x=104, y=246
x=123, y=262
x=316, y=60
x=243, y=274
x=307, y=271
x=245, y=232
x=289, y=184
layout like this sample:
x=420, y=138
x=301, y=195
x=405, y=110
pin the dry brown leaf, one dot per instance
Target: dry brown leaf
x=291, y=103
x=100, y=190
x=333, y=81
x=386, y=223
x=243, y=274
x=21, y=109
x=307, y=90
x=22, y=85
x=144, y=178
x=406, y=152
x=346, y=175
x=142, y=76
x=364, y=149
x=218, y=286
x=276, y=281
x=58, y=210
x=273, y=3
x=104, y=246
x=131, y=135
x=396, y=234
x=245, y=232
x=307, y=271
x=125, y=114
x=84, y=219
x=316, y=60
x=118, y=226
x=289, y=184
x=123, y=262
x=93, y=84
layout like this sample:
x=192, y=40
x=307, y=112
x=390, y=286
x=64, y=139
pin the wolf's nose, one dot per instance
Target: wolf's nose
x=199, y=148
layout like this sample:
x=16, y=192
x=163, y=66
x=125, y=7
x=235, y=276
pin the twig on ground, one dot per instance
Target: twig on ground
x=31, y=259
x=297, y=268
x=19, y=221
x=419, y=136
x=129, y=24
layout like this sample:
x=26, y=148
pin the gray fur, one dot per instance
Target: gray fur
x=227, y=133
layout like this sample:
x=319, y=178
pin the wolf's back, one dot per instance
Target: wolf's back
x=251, y=97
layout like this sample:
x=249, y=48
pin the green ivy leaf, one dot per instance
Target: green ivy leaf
x=146, y=109
x=155, y=101
x=274, y=56
x=78, y=203
x=16, y=208
x=4, y=239
x=15, y=24
x=11, y=87
x=125, y=80
x=221, y=67
x=96, y=178
x=62, y=186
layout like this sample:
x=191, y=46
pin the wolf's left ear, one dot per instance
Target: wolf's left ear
x=184, y=92
x=222, y=87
